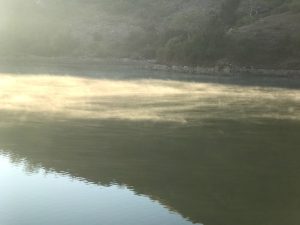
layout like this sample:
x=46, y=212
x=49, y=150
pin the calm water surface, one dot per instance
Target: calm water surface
x=40, y=197
x=87, y=146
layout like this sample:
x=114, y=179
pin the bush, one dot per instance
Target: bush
x=295, y=6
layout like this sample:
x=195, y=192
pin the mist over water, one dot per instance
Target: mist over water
x=149, y=112
x=171, y=150
x=143, y=99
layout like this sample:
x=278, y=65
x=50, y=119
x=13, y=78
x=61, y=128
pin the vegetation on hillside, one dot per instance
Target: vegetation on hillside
x=261, y=33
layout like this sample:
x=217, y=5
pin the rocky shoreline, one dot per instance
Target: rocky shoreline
x=224, y=69
x=221, y=70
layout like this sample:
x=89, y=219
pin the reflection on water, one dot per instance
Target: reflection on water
x=57, y=199
x=210, y=153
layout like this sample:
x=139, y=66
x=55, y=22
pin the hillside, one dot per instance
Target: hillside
x=259, y=33
x=273, y=41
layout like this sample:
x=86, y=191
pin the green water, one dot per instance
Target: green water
x=143, y=148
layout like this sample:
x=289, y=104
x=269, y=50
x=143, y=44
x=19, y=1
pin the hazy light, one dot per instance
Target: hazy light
x=156, y=100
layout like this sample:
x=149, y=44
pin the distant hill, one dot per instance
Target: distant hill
x=259, y=33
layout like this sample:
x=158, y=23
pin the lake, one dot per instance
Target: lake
x=102, y=144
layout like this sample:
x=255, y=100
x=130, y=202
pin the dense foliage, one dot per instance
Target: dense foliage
x=186, y=32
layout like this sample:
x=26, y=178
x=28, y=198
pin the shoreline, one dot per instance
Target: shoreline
x=153, y=65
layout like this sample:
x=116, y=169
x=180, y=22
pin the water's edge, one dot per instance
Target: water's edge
x=221, y=69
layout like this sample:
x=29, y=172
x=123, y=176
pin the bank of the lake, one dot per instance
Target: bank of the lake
x=218, y=69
